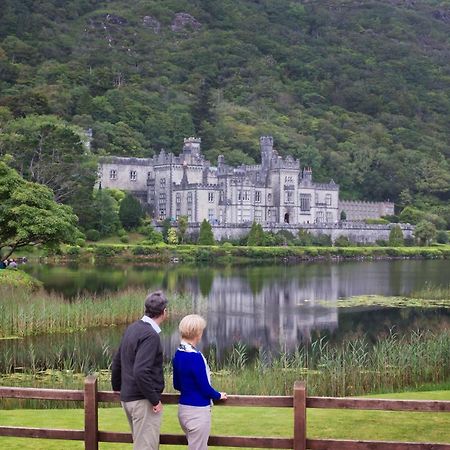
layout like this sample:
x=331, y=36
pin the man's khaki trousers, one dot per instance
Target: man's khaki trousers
x=145, y=424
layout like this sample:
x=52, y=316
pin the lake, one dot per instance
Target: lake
x=266, y=307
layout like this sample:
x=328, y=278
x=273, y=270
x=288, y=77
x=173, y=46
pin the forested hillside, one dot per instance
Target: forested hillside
x=357, y=89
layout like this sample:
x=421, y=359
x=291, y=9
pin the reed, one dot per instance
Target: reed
x=26, y=313
x=432, y=292
x=391, y=364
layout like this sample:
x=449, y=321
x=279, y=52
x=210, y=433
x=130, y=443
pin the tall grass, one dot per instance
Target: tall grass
x=25, y=313
x=358, y=367
x=432, y=293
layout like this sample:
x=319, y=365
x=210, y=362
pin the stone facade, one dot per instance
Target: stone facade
x=360, y=210
x=277, y=191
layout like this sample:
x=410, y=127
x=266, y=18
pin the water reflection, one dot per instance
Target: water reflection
x=266, y=307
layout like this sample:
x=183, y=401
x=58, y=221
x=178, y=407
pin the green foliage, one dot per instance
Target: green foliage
x=166, y=225
x=411, y=215
x=442, y=237
x=18, y=279
x=425, y=232
x=130, y=212
x=153, y=236
x=30, y=216
x=172, y=237
x=342, y=241
x=256, y=235
x=182, y=228
x=106, y=221
x=396, y=237
x=206, y=236
x=107, y=251
x=93, y=235
x=304, y=238
x=352, y=91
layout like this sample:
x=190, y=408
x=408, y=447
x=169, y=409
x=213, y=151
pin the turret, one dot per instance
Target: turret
x=266, y=146
x=192, y=146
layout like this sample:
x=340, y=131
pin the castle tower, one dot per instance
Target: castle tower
x=192, y=146
x=266, y=146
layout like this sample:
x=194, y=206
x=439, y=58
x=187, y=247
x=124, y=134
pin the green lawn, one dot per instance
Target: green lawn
x=342, y=424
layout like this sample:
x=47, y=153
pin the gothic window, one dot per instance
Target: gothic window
x=239, y=196
x=288, y=179
x=210, y=214
x=305, y=202
x=329, y=217
x=320, y=216
x=133, y=175
x=189, y=197
x=246, y=195
x=113, y=174
x=269, y=198
x=221, y=196
x=289, y=196
x=328, y=199
x=178, y=198
x=210, y=197
x=189, y=214
x=258, y=215
x=162, y=183
x=257, y=196
x=162, y=197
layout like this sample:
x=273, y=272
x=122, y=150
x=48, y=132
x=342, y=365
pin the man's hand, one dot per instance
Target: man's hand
x=158, y=408
x=223, y=396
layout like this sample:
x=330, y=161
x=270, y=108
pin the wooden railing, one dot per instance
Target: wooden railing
x=299, y=402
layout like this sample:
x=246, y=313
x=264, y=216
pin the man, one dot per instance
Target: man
x=137, y=372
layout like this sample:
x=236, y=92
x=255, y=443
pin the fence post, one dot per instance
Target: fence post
x=299, y=415
x=90, y=413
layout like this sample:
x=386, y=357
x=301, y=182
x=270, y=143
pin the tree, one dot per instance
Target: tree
x=30, y=216
x=172, y=237
x=411, y=215
x=48, y=151
x=425, y=232
x=182, y=227
x=130, y=212
x=442, y=237
x=107, y=219
x=256, y=235
x=206, y=236
x=396, y=237
x=167, y=223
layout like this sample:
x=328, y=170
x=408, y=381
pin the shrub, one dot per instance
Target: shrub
x=442, y=237
x=92, y=235
x=376, y=221
x=73, y=250
x=107, y=251
x=342, y=241
x=80, y=242
x=305, y=238
x=125, y=239
x=172, y=236
x=206, y=236
x=122, y=233
x=322, y=240
x=396, y=237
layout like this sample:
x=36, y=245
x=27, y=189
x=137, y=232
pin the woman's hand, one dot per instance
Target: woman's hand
x=223, y=396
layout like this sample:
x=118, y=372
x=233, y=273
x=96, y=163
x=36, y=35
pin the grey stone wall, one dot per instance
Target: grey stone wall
x=356, y=232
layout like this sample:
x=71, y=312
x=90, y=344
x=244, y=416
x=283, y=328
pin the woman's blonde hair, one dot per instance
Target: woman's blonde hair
x=191, y=326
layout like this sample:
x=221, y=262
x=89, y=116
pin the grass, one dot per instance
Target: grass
x=390, y=302
x=357, y=367
x=17, y=279
x=23, y=313
x=245, y=421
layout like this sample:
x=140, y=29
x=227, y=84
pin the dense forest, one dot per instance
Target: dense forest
x=358, y=90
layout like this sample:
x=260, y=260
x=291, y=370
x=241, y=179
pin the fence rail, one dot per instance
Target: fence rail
x=298, y=401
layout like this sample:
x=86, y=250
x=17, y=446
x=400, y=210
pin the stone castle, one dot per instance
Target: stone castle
x=277, y=191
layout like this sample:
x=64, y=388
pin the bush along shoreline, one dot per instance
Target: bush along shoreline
x=230, y=253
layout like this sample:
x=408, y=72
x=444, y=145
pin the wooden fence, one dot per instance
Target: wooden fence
x=299, y=402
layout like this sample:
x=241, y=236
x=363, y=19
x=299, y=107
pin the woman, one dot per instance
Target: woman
x=191, y=376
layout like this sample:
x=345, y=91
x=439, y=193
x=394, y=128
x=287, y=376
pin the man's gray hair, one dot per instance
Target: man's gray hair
x=155, y=304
